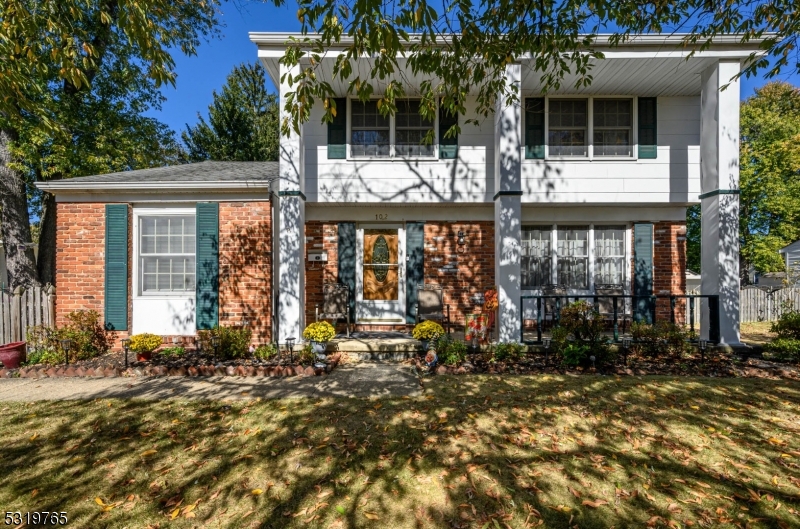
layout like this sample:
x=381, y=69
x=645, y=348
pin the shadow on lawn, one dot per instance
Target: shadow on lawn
x=504, y=446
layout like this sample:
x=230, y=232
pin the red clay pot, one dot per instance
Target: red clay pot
x=144, y=357
x=12, y=354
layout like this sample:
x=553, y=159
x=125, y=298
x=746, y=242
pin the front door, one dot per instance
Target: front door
x=380, y=274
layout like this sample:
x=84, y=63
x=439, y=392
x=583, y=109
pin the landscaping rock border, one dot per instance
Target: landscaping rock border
x=206, y=370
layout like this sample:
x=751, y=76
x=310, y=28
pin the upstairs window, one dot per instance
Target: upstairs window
x=369, y=130
x=411, y=129
x=567, y=128
x=613, y=126
x=167, y=253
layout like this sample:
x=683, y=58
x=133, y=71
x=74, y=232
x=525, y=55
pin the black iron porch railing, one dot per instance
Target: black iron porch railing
x=641, y=308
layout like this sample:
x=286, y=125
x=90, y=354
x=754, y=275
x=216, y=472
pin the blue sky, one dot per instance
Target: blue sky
x=200, y=75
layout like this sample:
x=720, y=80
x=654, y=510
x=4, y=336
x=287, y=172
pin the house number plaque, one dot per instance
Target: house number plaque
x=381, y=216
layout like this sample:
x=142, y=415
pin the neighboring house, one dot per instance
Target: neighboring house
x=692, y=282
x=791, y=256
x=579, y=187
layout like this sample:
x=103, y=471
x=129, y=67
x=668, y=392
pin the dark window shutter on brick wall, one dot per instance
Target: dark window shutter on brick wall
x=643, y=308
x=534, y=128
x=415, y=265
x=448, y=147
x=207, y=248
x=337, y=132
x=648, y=134
x=347, y=261
x=116, y=265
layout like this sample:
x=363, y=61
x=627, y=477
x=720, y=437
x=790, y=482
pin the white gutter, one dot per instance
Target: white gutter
x=66, y=186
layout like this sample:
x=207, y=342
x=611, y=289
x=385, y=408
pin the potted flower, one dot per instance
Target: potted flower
x=319, y=334
x=11, y=354
x=427, y=332
x=144, y=344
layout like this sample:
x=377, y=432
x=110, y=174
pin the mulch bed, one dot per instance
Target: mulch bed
x=716, y=366
x=192, y=363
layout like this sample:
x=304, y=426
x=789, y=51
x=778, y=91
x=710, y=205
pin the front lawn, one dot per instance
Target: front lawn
x=483, y=452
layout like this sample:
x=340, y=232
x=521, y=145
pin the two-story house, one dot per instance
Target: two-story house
x=576, y=187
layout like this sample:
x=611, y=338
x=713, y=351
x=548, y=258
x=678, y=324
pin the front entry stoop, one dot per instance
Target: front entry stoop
x=379, y=346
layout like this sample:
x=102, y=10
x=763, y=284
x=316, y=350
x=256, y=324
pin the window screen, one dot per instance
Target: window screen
x=536, y=256
x=167, y=253
x=613, y=126
x=609, y=251
x=411, y=129
x=572, y=255
x=567, y=127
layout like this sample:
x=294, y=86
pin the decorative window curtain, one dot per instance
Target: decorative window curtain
x=609, y=249
x=536, y=256
x=573, y=257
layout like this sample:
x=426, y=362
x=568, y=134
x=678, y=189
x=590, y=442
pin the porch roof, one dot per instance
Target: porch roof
x=646, y=65
x=208, y=175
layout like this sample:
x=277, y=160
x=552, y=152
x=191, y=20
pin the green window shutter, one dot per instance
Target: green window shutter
x=337, y=131
x=415, y=265
x=116, y=286
x=448, y=147
x=534, y=128
x=207, y=271
x=347, y=261
x=643, y=271
x=648, y=135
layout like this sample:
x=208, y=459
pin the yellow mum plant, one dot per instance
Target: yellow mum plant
x=145, y=342
x=321, y=331
x=427, y=330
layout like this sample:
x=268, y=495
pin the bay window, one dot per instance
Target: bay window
x=575, y=257
x=166, y=249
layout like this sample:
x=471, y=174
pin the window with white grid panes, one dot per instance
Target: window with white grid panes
x=612, y=127
x=566, y=132
x=167, y=253
x=369, y=130
x=536, y=256
x=572, y=257
x=609, y=255
x=410, y=130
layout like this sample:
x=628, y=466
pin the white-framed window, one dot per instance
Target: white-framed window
x=369, y=130
x=577, y=257
x=612, y=121
x=609, y=251
x=567, y=133
x=165, y=253
x=572, y=257
x=374, y=136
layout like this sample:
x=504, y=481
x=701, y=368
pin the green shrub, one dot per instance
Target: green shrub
x=661, y=339
x=306, y=356
x=507, y=351
x=580, y=327
x=788, y=325
x=84, y=329
x=172, y=351
x=45, y=356
x=575, y=354
x=234, y=342
x=453, y=353
x=265, y=351
x=784, y=349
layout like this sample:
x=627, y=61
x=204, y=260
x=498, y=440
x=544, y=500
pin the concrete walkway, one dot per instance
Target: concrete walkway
x=362, y=380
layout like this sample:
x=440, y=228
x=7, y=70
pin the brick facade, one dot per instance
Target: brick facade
x=245, y=267
x=463, y=271
x=80, y=260
x=669, y=267
x=320, y=236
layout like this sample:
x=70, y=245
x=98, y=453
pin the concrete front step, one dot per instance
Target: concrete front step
x=380, y=357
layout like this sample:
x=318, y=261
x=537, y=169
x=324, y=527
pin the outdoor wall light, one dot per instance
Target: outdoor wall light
x=126, y=346
x=461, y=239
x=66, y=345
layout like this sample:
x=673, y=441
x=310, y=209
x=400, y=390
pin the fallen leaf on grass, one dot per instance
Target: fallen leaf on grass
x=594, y=504
x=371, y=515
x=148, y=453
x=574, y=492
x=256, y=492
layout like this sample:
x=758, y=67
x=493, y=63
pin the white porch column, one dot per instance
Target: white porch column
x=508, y=209
x=291, y=232
x=719, y=177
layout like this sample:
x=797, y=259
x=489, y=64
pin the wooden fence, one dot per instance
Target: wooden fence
x=758, y=304
x=23, y=308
